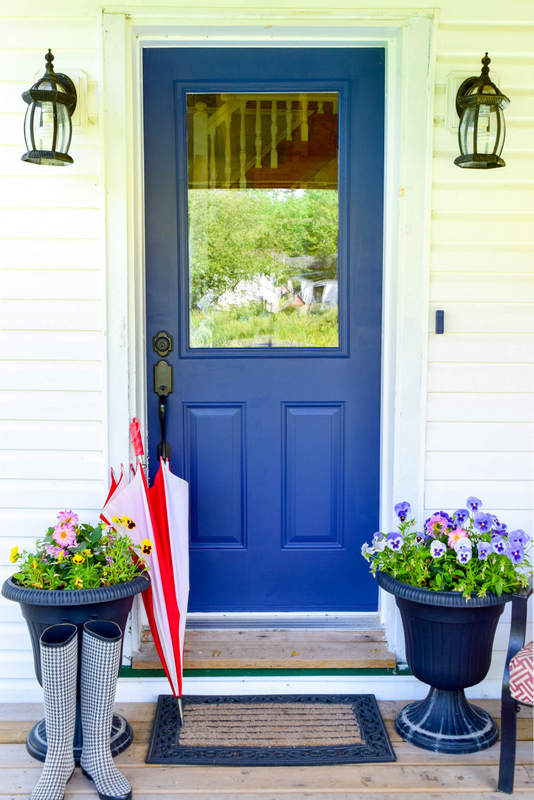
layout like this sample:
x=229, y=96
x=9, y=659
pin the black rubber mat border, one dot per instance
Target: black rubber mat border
x=164, y=742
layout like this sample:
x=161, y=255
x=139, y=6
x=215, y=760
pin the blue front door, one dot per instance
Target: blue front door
x=264, y=213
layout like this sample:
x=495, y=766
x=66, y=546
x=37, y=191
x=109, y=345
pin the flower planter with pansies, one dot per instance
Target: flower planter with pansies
x=451, y=582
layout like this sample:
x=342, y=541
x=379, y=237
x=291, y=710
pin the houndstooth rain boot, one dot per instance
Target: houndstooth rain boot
x=59, y=665
x=101, y=652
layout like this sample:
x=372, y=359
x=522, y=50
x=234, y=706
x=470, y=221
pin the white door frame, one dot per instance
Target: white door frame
x=409, y=41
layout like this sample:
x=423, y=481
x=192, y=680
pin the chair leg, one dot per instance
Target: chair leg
x=509, y=710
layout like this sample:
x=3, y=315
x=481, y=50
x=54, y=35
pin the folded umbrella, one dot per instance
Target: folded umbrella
x=161, y=516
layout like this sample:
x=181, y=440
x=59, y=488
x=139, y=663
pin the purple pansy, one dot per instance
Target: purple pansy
x=484, y=550
x=463, y=542
x=473, y=503
x=461, y=515
x=515, y=553
x=498, y=544
x=378, y=543
x=518, y=536
x=394, y=541
x=483, y=522
x=402, y=510
x=463, y=555
x=498, y=527
x=419, y=538
x=109, y=560
x=437, y=549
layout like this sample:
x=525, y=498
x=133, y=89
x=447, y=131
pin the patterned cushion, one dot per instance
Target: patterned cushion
x=522, y=675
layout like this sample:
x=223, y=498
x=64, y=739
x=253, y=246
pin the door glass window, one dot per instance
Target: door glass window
x=263, y=219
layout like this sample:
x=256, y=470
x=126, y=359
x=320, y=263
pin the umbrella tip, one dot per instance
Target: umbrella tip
x=180, y=711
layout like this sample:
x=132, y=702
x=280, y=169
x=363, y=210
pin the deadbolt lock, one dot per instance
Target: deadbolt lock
x=162, y=343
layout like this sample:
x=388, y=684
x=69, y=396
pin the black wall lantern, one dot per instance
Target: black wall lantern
x=482, y=130
x=47, y=126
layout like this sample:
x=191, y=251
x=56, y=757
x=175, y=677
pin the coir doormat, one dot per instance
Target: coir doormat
x=270, y=730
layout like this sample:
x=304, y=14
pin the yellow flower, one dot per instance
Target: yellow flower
x=116, y=521
x=14, y=554
x=87, y=552
x=60, y=557
x=78, y=559
x=146, y=547
x=128, y=523
x=34, y=564
x=78, y=582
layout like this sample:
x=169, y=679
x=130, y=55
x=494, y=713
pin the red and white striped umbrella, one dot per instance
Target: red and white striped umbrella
x=161, y=515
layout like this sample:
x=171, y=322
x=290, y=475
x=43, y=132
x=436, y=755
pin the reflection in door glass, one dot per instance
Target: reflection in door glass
x=263, y=219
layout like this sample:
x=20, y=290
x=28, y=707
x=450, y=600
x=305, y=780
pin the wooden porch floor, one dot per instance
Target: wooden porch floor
x=416, y=771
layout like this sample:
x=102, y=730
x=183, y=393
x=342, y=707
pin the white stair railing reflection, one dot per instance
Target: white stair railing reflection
x=242, y=150
x=205, y=126
x=289, y=116
x=258, y=135
x=200, y=133
x=227, y=150
x=274, y=134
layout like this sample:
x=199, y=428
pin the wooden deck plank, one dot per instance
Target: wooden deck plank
x=213, y=653
x=313, y=780
x=400, y=795
x=14, y=734
x=139, y=712
x=16, y=755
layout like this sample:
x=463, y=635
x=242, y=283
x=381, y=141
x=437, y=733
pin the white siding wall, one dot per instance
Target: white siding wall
x=52, y=409
x=480, y=405
x=53, y=438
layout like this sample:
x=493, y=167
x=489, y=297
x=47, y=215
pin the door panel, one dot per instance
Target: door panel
x=276, y=429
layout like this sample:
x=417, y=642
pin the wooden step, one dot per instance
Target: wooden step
x=276, y=649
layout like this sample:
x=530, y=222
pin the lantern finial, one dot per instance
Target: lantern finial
x=486, y=61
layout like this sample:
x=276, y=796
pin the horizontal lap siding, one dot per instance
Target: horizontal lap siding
x=480, y=403
x=52, y=306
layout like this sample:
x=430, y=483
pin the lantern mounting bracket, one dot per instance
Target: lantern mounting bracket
x=70, y=88
x=464, y=89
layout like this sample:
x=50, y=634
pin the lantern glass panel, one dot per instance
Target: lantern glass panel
x=30, y=144
x=44, y=126
x=482, y=130
x=64, y=129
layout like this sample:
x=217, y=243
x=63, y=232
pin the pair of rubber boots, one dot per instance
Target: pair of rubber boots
x=101, y=652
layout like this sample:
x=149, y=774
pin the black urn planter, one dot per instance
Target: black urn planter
x=449, y=643
x=42, y=608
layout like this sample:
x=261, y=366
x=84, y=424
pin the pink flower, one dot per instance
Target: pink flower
x=459, y=533
x=65, y=535
x=437, y=525
x=53, y=551
x=68, y=518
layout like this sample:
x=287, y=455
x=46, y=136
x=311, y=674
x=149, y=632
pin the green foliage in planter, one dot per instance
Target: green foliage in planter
x=468, y=552
x=75, y=555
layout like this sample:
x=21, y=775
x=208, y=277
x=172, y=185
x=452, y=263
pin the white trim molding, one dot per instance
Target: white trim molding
x=409, y=40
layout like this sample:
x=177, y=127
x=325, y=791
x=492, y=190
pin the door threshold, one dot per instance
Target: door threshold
x=291, y=620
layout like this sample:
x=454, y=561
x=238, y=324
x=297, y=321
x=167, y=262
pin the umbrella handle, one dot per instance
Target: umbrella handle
x=164, y=448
